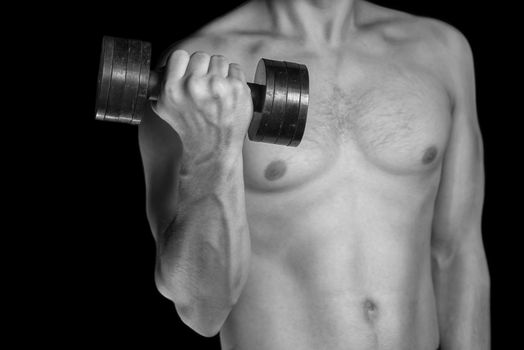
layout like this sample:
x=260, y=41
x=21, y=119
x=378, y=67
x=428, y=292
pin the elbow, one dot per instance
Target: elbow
x=468, y=247
x=468, y=257
x=203, y=314
x=203, y=301
x=204, y=320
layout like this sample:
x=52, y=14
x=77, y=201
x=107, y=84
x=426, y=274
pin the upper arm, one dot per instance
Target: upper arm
x=458, y=208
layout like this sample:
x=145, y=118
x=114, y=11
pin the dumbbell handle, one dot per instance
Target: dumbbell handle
x=156, y=76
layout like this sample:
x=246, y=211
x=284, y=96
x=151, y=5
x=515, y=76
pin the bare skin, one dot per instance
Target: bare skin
x=367, y=235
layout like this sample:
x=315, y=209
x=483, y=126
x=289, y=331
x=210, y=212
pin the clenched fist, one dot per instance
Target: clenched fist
x=208, y=103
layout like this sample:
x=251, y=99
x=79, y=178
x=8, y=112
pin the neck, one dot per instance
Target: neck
x=316, y=21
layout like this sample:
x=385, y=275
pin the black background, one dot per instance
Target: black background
x=99, y=287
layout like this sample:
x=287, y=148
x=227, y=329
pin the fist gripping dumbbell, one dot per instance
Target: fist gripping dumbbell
x=280, y=91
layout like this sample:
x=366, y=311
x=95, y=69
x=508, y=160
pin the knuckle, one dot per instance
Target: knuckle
x=190, y=80
x=219, y=57
x=236, y=68
x=199, y=55
x=217, y=84
x=170, y=92
x=238, y=86
x=193, y=86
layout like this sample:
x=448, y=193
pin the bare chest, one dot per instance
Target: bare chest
x=387, y=116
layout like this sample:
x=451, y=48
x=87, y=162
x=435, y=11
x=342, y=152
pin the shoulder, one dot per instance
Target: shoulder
x=444, y=51
x=448, y=52
x=432, y=44
x=453, y=44
x=442, y=47
x=426, y=32
x=442, y=40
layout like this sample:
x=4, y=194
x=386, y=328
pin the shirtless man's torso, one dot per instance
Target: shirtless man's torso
x=367, y=235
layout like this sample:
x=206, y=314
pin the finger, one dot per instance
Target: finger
x=236, y=72
x=198, y=64
x=218, y=65
x=177, y=64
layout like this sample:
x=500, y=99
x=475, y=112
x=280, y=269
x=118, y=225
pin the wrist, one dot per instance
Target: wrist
x=205, y=173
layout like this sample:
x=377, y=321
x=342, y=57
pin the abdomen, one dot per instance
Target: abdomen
x=346, y=268
x=278, y=311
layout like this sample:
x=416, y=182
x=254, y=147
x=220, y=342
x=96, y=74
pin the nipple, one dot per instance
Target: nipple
x=275, y=170
x=429, y=155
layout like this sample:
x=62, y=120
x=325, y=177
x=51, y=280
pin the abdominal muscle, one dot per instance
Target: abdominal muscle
x=338, y=264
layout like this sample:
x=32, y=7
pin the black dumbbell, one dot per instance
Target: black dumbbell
x=280, y=92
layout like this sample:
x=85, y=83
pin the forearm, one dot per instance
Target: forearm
x=204, y=254
x=462, y=289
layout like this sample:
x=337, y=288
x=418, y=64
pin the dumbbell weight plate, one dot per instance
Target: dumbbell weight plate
x=131, y=82
x=299, y=124
x=118, y=80
x=123, y=80
x=272, y=122
x=287, y=130
x=104, y=77
x=282, y=118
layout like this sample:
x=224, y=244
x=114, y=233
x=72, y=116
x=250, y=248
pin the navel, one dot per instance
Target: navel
x=370, y=310
x=275, y=170
x=429, y=155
